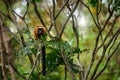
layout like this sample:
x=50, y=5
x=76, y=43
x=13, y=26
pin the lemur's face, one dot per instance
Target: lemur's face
x=40, y=31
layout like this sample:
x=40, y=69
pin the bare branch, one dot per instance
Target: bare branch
x=59, y=13
x=38, y=14
x=96, y=43
x=75, y=30
x=53, y=17
x=108, y=60
x=109, y=5
x=102, y=44
x=63, y=26
x=116, y=5
x=26, y=9
x=41, y=44
x=68, y=66
x=98, y=12
x=98, y=26
x=66, y=2
x=35, y=62
x=92, y=58
x=2, y=52
x=13, y=67
x=108, y=32
x=46, y=1
x=103, y=53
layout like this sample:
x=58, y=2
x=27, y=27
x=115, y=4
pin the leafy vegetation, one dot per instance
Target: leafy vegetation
x=82, y=40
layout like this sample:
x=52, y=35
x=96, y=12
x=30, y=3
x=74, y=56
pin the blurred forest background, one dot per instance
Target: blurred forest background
x=82, y=39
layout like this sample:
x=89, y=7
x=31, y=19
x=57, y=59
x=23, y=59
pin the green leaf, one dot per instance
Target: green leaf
x=93, y=2
x=75, y=68
x=75, y=50
x=51, y=76
x=118, y=6
x=38, y=0
x=43, y=37
x=34, y=76
x=26, y=31
x=53, y=60
x=3, y=7
x=29, y=49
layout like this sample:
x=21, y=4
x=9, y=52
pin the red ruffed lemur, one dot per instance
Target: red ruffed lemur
x=40, y=32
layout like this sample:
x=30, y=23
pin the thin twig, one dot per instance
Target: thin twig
x=21, y=37
x=77, y=42
x=66, y=2
x=58, y=13
x=116, y=5
x=38, y=14
x=98, y=10
x=99, y=7
x=112, y=26
x=65, y=72
x=35, y=62
x=53, y=17
x=97, y=39
x=63, y=26
x=68, y=66
x=26, y=9
x=92, y=58
x=104, y=49
x=7, y=16
x=108, y=60
x=48, y=7
x=98, y=26
x=113, y=43
x=109, y=5
x=13, y=67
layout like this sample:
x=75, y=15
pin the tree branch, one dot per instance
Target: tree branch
x=53, y=17
x=59, y=13
x=35, y=62
x=98, y=26
x=63, y=26
x=68, y=66
x=108, y=60
x=104, y=48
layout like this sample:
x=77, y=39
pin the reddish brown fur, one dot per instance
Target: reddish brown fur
x=36, y=31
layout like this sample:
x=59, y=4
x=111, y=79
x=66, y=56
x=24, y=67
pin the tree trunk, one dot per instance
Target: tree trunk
x=2, y=53
x=6, y=40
